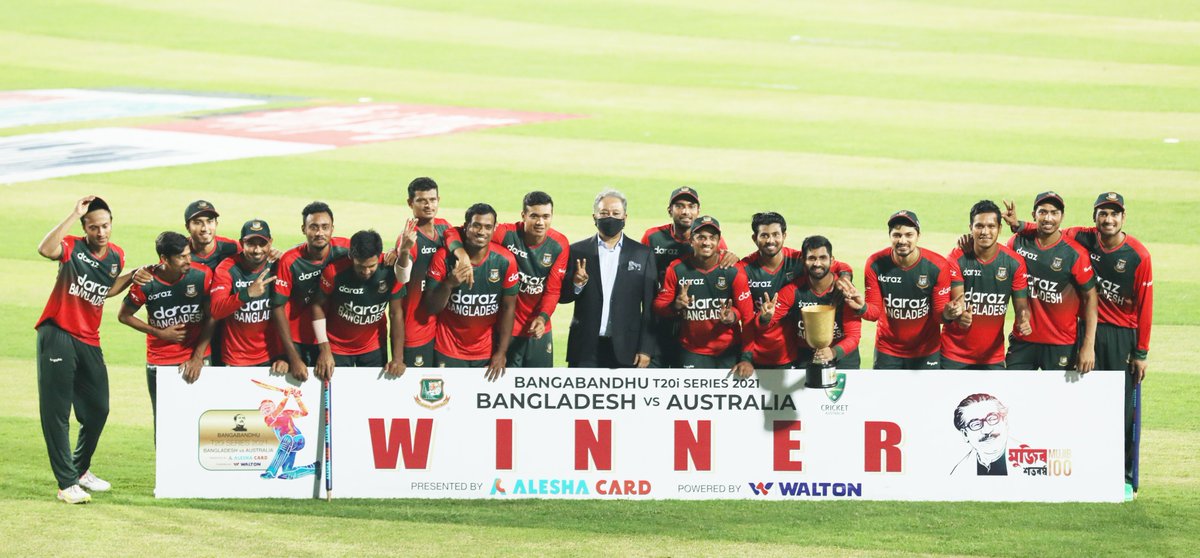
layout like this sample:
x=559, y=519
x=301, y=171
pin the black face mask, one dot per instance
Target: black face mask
x=610, y=226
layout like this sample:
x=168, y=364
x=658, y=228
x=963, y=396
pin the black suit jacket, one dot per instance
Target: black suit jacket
x=631, y=302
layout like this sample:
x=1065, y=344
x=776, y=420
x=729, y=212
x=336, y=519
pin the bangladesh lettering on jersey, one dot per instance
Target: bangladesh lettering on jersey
x=297, y=284
x=667, y=248
x=1057, y=275
x=700, y=328
x=988, y=286
x=357, y=309
x=222, y=248
x=797, y=295
x=248, y=337
x=1125, y=281
x=419, y=326
x=170, y=304
x=76, y=304
x=464, y=326
x=908, y=302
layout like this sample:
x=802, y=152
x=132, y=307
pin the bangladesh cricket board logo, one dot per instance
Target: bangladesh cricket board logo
x=834, y=393
x=547, y=260
x=1001, y=273
x=433, y=393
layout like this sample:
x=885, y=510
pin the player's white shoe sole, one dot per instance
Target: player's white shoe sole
x=74, y=494
x=93, y=483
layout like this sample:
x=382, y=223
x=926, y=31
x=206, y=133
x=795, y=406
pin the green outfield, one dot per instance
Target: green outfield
x=836, y=114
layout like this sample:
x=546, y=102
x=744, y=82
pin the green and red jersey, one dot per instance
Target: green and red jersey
x=248, y=337
x=799, y=294
x=1125, y=280
x=464, y=327
x=297, y=283
x=221, y=248
x=184, y=301
x=1057, y=275
x=700, y=328
x=987, y=286
x=76, y=304
x=667, y=247
x=907, y=302
x=541, y=268
x=419, y=325
x=356, y=310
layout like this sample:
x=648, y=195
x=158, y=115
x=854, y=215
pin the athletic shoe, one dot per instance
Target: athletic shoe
x=1130, y=494
x=74, y=495
x=90, y=481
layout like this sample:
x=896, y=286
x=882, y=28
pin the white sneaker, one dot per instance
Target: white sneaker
x=74, y=495
x=91, y=482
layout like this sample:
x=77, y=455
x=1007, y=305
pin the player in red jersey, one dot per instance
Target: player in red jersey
x=71, y=369
x=474, y=323
x=298, y=280
x=241, y=298
x=200, y=218
x=423, y=235
x=908, y=293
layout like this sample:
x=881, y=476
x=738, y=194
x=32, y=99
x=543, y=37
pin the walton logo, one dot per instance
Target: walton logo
x=497, y=489
x=761, y=489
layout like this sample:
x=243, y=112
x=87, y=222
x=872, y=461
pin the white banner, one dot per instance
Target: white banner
x=692, y=434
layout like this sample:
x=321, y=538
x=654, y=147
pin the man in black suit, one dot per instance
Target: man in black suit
x=610, y=278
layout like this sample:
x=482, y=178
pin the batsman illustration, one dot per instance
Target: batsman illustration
x=282, y=421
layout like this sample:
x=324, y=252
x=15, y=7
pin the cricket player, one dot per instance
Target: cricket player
x=241, y=299
x=358, y=296
x=907, y=292
x=474, y=322
x=700, y=294
x=993, y=274
x=423, y=235
x=818, y=286
x=178, y=328
x=668, y=243
x=297, y=284
x=1125, y=309
x=70, y=364
x=208, y=249
x=541, y=253
x=291, y=440
x=1062, y=288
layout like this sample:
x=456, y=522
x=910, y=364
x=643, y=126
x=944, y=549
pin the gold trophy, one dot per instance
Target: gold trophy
x=818, y=332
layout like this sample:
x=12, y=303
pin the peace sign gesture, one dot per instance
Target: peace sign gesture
x=408, y=238
x=259, y=286
x=1010, y=213
x=581, y=277
x=682, y=300
x=766, y=309
x=728, y=317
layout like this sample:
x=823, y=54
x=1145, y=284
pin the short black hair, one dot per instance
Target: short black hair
x=365, y=244
x=985, y=206
x=316, y=207
x=478, y=209
x=95, y=205
x=536, y=197
x=420, y=184
x=170, y=243
x=813, y=242
x=767, y=218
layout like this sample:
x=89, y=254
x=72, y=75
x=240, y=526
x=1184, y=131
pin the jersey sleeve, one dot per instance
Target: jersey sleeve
x=1020, y=282
x=437, y=269
x=283, y=281
x=328, y=278
x=948, y=276
x=136, y=297
x=646, y=236
x=1081, y=271
x=1143, y=291
x=840, y=269
x=68, y=246
x=873, y=308
x=224, y=301
x=785, y=299
x=452, y=239
x=743, y=303
x=851, y=332
x=666, y=295
x=512, y=277
x=554, y=280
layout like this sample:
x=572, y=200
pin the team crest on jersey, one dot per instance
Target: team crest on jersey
x=788, y=276
x=1120, y=266
x=1001, y=273
x=547, y=261
x=922, y=281
x=190, y=291
x=1062, y=360
x=721, y=284
x=382, y=287
x=494, y=275
x=419, y=360
x=1056, y=265
x=113, y=272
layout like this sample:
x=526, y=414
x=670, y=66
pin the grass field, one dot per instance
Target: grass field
x=833, y=113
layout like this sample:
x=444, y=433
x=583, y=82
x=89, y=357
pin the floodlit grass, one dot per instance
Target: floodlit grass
x=834, y=113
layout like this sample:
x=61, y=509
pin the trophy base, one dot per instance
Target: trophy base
x=818, y=375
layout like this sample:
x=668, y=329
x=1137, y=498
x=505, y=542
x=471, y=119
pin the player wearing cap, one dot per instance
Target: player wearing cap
x=70, y=364
x=907, y=290
x=1061, y=283
x=298, y=281
x=700, y=294
x=992, y=275
x=241, y=298
x=474, y=321
x=208, y=249
x=423, y=235
x=1125, y=309
x=668, y=243
x=177, y=327
x=357, y=292
x=817, y=286
x=541, y=254
x=767, y=270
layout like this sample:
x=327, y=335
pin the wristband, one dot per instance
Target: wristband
x=319, y=331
